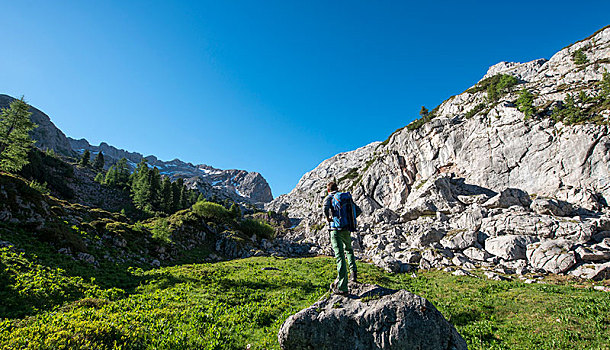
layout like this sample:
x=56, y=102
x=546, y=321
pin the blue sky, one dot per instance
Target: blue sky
x=268, y=86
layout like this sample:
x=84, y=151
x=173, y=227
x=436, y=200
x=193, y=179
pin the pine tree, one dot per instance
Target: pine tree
x=141, y=187
x=99, y=178
x=84, y=160
x=166, y=195
x=118, y=174
x=98, y=163
x=423, y=111
x=154, y=180
x=15, y=125
x=235, y=210
x=183, y=197
x=176, y=187
x=200, y=198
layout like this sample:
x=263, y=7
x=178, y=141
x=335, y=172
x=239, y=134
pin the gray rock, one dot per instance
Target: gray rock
x=593, y=253
x=552, y=256
x=508, y=198
x=459, y=239
x=510, y=247
x=476, y=254
x=388, y=263
x=551, y=207
x=372, y=317
x=86, y=257
x=596, y=272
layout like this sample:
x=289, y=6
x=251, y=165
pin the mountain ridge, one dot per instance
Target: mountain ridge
x=478, y=160
x=233, y=184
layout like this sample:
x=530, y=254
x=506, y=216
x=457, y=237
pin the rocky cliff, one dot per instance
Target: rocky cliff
x=47, y=135
x=487, y=178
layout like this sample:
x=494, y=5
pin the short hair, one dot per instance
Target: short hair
x=332, y=186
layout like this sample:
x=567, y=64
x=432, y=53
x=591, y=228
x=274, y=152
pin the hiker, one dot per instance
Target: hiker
x=340, y=212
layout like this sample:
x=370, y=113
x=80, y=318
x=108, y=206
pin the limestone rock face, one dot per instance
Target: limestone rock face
x=372, y=317
x=488, y=171
x=46, y=135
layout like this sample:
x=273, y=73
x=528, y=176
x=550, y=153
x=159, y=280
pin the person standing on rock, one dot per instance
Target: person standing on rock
x=341, y=212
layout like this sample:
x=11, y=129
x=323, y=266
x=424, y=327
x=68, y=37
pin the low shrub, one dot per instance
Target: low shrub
x=212, y=211
x=256, y=227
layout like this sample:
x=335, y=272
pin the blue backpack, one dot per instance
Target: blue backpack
x=344, y=211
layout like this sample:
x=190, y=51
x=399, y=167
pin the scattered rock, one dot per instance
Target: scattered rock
x=551, y=207
x=552, y=256
x=86, y=257
x=509, y=247
x=509, y=197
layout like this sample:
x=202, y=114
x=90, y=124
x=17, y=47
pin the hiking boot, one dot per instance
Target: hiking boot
x=334, y=290
x=333, y=286
x=353, y=276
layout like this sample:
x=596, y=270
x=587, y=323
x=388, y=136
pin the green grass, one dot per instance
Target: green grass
x=231, y=304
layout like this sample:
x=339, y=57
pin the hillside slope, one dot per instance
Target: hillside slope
x=475, y=163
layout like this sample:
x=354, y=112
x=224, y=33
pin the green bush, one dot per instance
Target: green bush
x=256, y=227
x=161, y=230
x=579, y=57
x=40, y=187
x=212, y=211
x=471, y=113
x=496, y=86
x=525, y=103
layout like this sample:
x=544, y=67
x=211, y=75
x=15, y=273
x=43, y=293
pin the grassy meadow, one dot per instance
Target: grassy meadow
x=233, y=304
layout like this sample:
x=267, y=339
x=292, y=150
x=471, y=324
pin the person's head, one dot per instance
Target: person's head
x=332, y=186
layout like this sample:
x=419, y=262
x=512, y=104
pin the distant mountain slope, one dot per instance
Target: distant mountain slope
x=233, y=184
x=238, y=185
x=47, y=135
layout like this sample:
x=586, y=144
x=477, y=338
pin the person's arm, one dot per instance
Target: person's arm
x=357, y=209
x=327, y=209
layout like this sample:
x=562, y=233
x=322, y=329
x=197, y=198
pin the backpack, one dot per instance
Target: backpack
x=344, y=211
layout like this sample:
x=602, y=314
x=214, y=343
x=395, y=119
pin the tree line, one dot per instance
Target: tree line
x=149, y=190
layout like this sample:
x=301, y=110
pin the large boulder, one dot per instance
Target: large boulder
x=509, y=247
x=371, y=317
x=552, y=256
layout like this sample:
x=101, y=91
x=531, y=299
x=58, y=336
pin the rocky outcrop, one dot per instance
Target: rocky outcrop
x=372, y=317
x=46, y=135
x=480, y=166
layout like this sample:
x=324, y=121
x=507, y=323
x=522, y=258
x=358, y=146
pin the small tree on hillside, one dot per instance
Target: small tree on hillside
x=423, y=111
x=84, y=161
x=118, y=174
x=15, y=125
x=98, y=163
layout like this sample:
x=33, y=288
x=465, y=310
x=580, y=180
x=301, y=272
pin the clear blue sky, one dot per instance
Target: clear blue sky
x=268, y=86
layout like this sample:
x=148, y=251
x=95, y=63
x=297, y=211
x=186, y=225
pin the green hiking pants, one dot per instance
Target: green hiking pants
x=341, y=242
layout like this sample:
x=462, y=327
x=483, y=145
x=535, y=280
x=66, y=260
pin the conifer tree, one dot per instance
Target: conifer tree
x=423, y=111
x=15, y=125
x=154, y=180
x=118, y=174
x=166, y=195
x=176, y=190
x=98, y=163
x=84, y=160
x=141, y=191
x=235, y=210
x=99, y=177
